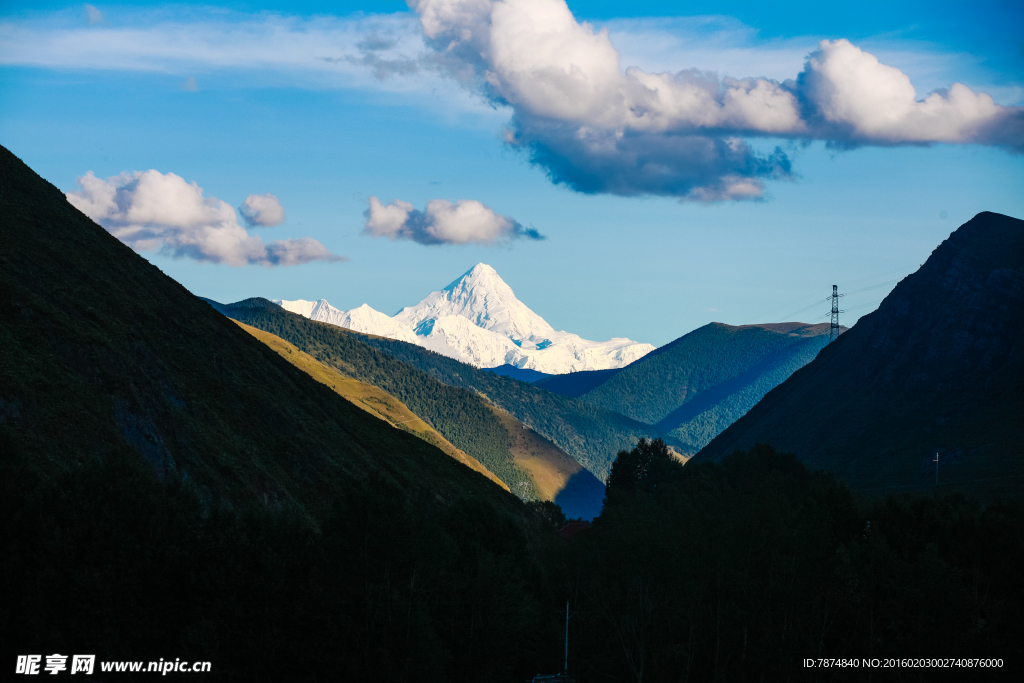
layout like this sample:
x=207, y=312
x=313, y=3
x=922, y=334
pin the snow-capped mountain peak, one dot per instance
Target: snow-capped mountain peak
x=477, y=319
x=483, y=298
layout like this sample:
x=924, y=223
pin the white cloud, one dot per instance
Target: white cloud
x=381, y=53
x=535, y=56
x=262, y=210
x=600, y=128
x=319, y=52
x=465, y=221
x=149, y=210
x=857, y=99
x=93, y=16
x=163, y=41
x=639, y=106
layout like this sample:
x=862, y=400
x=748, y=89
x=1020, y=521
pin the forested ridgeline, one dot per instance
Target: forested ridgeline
x=738, y=571
x=589, y=434
x=694, y=387
x=457, y=413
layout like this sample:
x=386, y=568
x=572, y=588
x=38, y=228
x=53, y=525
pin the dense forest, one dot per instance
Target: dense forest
x=373, y=400
x=575, y=384
x=734, y=571
x=383, y=587
x=740, y=570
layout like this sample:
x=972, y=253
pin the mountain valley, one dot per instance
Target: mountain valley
x=470, y=419
x=511, y=341
x=243, y=485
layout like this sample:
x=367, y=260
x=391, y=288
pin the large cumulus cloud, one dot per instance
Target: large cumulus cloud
x=850, y=98
x=149, y=210
x=597, y=127
x=465, y=221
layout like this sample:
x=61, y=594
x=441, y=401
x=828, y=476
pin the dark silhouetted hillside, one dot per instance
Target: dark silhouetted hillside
x=100, y=352
x=938, y=368
x=734, y=571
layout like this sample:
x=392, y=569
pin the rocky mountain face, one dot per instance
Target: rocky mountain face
x=936, y=372
x=477, y=319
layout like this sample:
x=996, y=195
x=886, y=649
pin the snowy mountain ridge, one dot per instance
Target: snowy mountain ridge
x=484, y=299
x=477, y=319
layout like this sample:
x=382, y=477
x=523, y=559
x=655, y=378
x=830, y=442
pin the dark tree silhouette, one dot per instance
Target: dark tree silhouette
x=643, y=468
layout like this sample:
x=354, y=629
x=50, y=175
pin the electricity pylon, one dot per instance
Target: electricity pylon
x=833, y=332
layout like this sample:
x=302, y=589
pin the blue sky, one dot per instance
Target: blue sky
x=238, y=98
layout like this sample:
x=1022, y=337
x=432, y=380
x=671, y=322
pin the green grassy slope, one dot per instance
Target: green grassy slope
x=698, y=385
x=102, y=353
x=939, y=367
x=373, y=400
x=590, y=434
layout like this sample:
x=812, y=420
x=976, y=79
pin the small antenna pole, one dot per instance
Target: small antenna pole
x=566, y=669
x=936, y=469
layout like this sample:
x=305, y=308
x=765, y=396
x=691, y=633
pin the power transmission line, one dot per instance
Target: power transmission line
x=791, y=304
x=881, y=284
x=851, y=308
x=789, y=316
x=870, y=303
x=876, y=275
x=811, y=304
